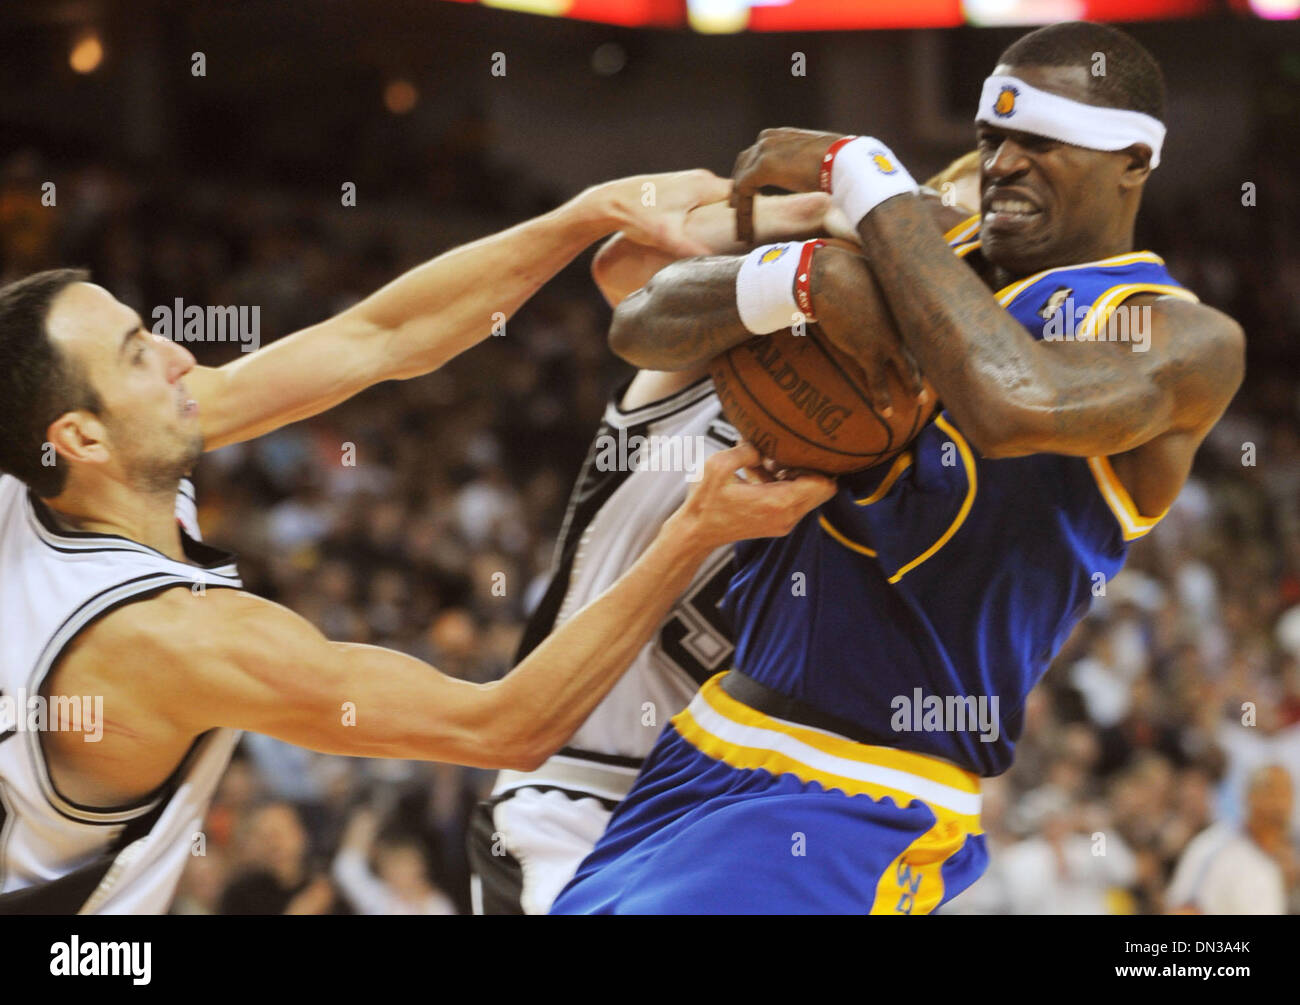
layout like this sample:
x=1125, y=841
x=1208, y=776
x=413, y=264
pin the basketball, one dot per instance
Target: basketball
x=804, y=403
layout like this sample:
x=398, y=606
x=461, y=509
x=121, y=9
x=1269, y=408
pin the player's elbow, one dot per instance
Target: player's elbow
x=522, y=750
x=995, y=445
x=507, y=732
x=627, y=331
x=604, y=270
x=998, y=430
x=527, y=759
x=1233, y=365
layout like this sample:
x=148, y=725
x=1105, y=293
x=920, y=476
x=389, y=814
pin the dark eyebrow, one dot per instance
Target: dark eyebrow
x=126, y=338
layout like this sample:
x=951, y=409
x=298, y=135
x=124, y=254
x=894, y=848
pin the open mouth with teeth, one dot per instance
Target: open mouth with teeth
x=1007, y=212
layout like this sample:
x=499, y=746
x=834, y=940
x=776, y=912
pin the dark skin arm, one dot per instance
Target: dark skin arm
x=686, y=314
x=1015, y=395
x=1012, y=394
x=682, y=318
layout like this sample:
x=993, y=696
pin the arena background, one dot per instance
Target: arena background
x=224, y=188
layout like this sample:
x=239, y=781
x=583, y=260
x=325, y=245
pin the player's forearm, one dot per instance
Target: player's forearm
x=551, y=693
x=1012, y=394
x=441, y=308
x=682, y=318
x=406, y=709
x=621, y=267
x=978, y=357
x=411, y=326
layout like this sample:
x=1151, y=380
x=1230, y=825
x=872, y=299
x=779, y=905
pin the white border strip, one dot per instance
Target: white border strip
x=608, y=781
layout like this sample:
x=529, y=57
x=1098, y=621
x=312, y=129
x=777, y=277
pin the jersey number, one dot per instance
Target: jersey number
x=696, y=636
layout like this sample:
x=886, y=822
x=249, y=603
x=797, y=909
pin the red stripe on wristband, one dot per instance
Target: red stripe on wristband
x=828, y=161
x=802, y=279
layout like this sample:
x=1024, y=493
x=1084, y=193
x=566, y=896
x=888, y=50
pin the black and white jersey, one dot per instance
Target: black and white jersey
x=538, y=825
x=57, y=856
x=637, y=472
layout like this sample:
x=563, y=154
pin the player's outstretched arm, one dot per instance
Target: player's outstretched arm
x=251, y=664
x=433, y=312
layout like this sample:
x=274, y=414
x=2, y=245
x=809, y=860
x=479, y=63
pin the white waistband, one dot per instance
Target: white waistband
x=608, y=781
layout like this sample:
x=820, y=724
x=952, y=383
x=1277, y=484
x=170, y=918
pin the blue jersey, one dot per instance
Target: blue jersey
x=924, y=601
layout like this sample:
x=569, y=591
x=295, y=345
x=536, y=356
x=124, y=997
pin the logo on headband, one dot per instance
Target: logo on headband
x=883, y=164
x=1006, y=101
x=772, y=254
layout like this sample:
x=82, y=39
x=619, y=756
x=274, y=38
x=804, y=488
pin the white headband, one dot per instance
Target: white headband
x=1010, y=102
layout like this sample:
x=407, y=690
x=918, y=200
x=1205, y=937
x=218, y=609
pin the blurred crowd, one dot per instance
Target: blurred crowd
x=421, y=515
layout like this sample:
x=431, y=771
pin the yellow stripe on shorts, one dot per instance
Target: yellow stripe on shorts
x=727, y=730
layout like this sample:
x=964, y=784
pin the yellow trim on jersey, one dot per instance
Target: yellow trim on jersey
x=1008, y=293
x=1111, y=300
x=1132, y=523
x=848, y=542
x=744, y=738
x=901, y=463
x=962, y=250
x=963, y=230
x=968, y=461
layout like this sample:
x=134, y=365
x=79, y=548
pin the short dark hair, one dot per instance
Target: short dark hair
x=38, y=382
x=1132, y=80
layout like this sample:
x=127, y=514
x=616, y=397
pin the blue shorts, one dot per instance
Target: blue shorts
x=736, y=812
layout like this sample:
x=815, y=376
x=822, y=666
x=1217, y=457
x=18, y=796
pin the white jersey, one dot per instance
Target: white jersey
x=57, y=856
x=1223, y=871
x=631, y=482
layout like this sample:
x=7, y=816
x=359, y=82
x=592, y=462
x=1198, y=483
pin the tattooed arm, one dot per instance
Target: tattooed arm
x=1011, y=394
x=686, y=314
x=682, y=318
x=1014, y=395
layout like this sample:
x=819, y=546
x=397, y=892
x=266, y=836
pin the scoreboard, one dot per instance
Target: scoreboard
x=717, y=16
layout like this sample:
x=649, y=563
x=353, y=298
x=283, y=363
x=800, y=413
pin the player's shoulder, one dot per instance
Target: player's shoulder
x=654, y=387
x=173, y=627
x=1192, y=315
x=1196, y=352
x=1196, y=331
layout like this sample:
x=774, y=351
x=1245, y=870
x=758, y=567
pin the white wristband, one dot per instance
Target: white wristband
x=765, y=287
x=864, y=174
